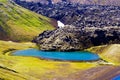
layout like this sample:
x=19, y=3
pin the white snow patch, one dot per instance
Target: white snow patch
x=60, y=24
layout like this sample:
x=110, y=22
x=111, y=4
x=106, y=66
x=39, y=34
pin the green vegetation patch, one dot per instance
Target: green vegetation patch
x=109, y=53
x=19, y=24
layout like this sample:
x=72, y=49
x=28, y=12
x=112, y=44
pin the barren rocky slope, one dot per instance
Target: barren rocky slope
x=77, y=14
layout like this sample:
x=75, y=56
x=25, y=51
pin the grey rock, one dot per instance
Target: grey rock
x=74, y=38
x=78, y=15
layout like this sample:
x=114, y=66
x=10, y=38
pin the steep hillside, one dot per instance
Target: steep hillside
x=110, y=53
x=19, y=24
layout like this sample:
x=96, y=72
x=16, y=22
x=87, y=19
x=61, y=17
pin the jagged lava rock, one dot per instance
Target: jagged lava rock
x=70, y=38
x=78, y=15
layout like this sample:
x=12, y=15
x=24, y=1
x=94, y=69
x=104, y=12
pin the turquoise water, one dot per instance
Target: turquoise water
x=116, y=78
x=69, y=56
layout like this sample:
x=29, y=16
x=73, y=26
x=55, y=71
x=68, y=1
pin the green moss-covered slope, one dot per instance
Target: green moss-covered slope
x=19, y=24
x=110, y=53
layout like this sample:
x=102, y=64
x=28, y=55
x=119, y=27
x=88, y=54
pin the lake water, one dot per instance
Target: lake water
x=69, y=56
x=116, y=78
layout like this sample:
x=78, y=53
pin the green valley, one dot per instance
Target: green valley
x=20, y=27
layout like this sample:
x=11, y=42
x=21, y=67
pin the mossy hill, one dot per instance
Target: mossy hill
x=19, y=24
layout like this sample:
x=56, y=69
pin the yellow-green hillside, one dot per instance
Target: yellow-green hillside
x=19, y=24
x=110, y=53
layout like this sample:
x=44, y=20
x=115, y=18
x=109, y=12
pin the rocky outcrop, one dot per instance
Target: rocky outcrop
x=72, y=38
x=77, y=14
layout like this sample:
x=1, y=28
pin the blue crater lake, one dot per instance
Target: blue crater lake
x=116, y=78
x=68, y=56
